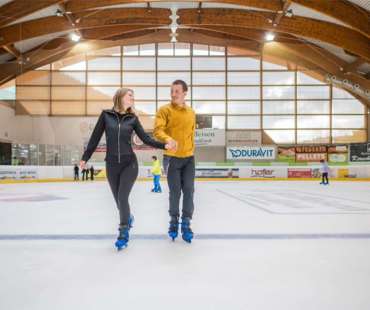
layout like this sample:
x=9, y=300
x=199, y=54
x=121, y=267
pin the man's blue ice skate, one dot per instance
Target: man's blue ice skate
x=173, y=229
x=187, y=233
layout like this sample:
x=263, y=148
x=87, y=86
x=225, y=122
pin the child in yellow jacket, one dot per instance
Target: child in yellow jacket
x=156, y=171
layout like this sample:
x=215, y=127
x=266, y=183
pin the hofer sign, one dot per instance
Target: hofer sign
x=264, y=152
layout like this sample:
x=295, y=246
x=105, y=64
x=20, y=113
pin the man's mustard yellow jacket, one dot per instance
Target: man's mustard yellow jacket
x=177, y=123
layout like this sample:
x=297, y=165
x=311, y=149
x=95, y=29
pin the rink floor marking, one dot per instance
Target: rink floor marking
x=262, y=202
x=34, y=237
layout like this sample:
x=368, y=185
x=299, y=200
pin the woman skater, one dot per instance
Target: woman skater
x=121, y=162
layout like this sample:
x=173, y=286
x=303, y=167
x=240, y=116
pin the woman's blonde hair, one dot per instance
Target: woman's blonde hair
x=117, y=100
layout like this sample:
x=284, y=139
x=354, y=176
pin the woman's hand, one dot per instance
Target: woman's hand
x=82, y=164
x=171, y=145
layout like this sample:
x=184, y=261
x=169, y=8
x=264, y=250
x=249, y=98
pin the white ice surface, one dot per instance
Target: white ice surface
x=271, y=265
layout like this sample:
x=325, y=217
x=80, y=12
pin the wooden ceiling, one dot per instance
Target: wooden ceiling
x=241, y=23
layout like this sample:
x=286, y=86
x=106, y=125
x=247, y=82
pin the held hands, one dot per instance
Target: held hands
x=171, y=145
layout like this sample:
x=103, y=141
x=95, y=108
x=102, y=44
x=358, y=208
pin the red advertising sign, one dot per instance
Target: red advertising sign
x=299, y=173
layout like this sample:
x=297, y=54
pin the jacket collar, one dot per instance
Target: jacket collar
x=113, y=112
x=174, y=105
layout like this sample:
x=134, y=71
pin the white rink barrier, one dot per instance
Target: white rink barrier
x=235, y=172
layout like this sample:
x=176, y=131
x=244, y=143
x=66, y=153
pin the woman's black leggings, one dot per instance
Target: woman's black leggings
x=121, y=177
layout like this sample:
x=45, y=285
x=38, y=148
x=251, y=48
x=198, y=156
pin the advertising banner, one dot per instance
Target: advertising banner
x=209, y=137
x=217, y=172
x=359, y=152
x=299, y=173
x=264, y=152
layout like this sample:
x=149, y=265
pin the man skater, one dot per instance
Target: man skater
x=175, y=125
x=324, y=169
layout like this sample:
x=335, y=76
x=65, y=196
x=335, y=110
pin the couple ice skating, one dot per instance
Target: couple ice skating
x=174, y=129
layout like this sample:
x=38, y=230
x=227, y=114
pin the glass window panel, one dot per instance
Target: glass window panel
x=147, y=50
x=105, y=64
x=139, y=63
x=71, y=154
x=278, y=78
x=209, y=78
x=243, y=63
x=166, y=78
x=32, y=107
x=303, y=78
x=278, y=122
x=200, y=50
x=164, y=93
x=131, y=50
x=76, y=63
x=68, y=78
x=348, y=106
x=313, y=107
x=67, y=93
x=216, y=50
x=34, y=78
x=100, y=93
x=314, y=121
x=278, y=92
x=209, y=107
x=104, y=78
x=348, y=136
x=95, y=107
x=209, y=63
x=206, y=93
x=144, y=93
x=341, y=94
x=33, y=92
x=271, y=66
x=243, y=122
x=145, y=107
x=313, y=92
x=281, y=136
x=218, y=122
x=68, y=107
x=278, y=107
x=348, y=121
x=313, y=136
x=240, y=107
x=34, y=154
x=173, y=64
x=243, y=78
x=7, y=91
x=138, y=78
x=165, y=49
x=111, y=51
x=240, y=92
x=182, y=49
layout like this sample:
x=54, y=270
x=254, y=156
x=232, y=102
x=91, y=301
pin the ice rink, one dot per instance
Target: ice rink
x=258, y=245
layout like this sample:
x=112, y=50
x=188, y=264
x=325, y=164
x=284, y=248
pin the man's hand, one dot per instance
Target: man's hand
x=171, y=145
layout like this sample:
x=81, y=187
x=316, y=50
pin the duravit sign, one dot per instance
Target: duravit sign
x=251, y=153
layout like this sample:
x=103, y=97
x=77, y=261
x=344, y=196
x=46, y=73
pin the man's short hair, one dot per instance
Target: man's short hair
x=182, y=83
x=154, y=157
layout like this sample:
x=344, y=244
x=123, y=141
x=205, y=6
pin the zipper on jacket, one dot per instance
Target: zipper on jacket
x=119, y=132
